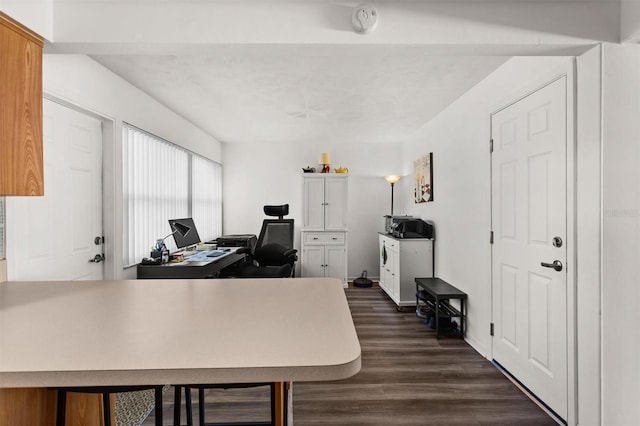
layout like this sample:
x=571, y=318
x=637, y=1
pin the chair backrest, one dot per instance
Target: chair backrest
x=278, y=231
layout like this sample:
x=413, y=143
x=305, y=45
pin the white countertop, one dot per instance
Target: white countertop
x=89, y=333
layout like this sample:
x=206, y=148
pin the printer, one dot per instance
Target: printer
x=237, y=240
x=412, y=228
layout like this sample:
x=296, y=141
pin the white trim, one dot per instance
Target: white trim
x=566, y=70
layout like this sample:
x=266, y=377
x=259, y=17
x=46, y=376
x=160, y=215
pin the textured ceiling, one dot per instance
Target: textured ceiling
x=303, y=93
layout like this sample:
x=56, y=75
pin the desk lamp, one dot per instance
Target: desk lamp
x=325, y=161
x=392, y=179
x=161, y=248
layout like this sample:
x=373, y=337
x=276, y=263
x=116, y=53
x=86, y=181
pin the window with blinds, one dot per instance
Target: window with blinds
x=163, y=181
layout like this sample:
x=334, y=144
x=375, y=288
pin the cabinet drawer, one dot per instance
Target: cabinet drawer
x=324, y=238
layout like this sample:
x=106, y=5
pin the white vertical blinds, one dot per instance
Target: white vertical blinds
x=163, y=181
x=206, y=193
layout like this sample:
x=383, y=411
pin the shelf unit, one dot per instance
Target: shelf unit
x=436, y=293
x=324, y=226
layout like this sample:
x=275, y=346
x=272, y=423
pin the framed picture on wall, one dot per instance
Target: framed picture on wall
x=423, y=178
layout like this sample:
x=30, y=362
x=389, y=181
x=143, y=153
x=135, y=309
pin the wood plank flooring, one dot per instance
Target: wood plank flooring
x=407, y=378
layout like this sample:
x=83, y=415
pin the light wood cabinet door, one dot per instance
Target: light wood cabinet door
x=21, y=153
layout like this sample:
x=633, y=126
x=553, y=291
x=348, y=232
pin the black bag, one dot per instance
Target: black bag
x=363, y=281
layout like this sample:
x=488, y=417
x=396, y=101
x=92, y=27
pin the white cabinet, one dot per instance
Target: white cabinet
x=324, y=202
x=324, y=254
x=401, y=262
x=324, y=226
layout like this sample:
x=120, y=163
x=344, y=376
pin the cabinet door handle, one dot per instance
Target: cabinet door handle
x=334, y=238
x=315, y=238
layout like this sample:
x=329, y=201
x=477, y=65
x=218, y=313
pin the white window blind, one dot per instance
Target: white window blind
x=163, y=181
x=206, y=193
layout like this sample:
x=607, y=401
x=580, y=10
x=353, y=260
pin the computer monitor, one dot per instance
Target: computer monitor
x=184, y=231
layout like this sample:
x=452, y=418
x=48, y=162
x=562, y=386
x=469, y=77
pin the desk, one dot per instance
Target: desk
x=92, y=333
x=201, y=268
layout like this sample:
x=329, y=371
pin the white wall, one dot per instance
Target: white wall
x=629, y=21
x=589, y=253
x=255, y=175
x=463, y=27
x=621, y=236
x=459, y=140
x=83, y=83
x=37, y=15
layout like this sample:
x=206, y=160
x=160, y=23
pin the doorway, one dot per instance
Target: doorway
x=529, y=250
x=59, y=236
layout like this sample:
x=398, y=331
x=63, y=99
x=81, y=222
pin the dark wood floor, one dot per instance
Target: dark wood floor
x=407, y=378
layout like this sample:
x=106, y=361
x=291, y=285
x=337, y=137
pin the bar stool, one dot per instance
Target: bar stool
x=201, y=388
x=177, y=404
x=61, y=412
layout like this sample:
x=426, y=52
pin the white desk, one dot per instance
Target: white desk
x=91, y=333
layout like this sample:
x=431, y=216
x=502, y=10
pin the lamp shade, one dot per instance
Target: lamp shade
x=325, y=158
x=392, y=178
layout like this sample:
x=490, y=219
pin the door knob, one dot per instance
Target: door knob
x=97, y=258
x=557, y=265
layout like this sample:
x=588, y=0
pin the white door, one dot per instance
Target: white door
x=334, y=256
x=53, y=237
x=313, y=200
x=313, y=261
x=529, y=219
x=335, y=194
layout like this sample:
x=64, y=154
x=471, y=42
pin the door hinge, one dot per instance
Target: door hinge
x=491, y=238
x=491, y=329
x=491, y=146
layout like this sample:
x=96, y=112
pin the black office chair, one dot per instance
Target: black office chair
x=273, y=255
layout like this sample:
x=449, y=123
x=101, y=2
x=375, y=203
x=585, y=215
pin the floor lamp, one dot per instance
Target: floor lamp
x=392, y=179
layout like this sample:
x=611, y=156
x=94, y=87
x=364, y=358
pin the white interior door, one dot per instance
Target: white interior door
x=53, y=237
x=529, y=219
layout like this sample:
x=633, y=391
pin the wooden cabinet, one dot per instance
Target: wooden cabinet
x=324, y=254
x=324, y=202
x=401, y=262
x=21, y=152
x=324, y=226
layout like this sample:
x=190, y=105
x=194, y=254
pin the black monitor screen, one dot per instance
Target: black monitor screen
x=185, y=233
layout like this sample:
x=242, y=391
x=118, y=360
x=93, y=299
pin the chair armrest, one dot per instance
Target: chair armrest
x=244, y=250
x=291, y=254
